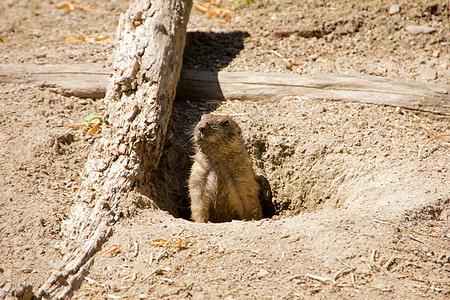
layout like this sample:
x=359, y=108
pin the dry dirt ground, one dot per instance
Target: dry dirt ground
x=362, y=197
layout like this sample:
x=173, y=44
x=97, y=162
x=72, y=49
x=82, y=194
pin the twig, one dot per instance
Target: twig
x=319, y=278
x=435, y=137
x=169, y=281
x=161, y=254
x=414, y=265
x=166, y=244
x=416, y=239
x=300, y=294
x=417, y=279
x=379, y=268
x=353, y=279
x=372, y=263
x=382, y=222
x=391, y=261
x=342, y=272
x=372, y=257
x=179, y=233
x=92, y=281
x=136, y=249
x=157, y=271
x=429, y=141
x=276, y=53
x=224, y=253
x=425, y=234
x=344, y=264
x=17, y=173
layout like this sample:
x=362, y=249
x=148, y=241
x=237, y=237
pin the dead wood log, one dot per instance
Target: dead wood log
x=89, y=80
x=79, y=80
x=140, y=93
x=355, y=88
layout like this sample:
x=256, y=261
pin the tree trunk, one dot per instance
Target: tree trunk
x=140, y=93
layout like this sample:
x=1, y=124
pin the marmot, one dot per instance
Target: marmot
x=222, y=184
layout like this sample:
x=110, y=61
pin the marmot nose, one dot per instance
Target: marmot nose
x=202, y=127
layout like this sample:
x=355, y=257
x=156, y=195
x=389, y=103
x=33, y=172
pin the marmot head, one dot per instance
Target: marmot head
x=217, y=131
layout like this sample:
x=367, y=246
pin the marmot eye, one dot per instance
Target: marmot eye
x=226, y=123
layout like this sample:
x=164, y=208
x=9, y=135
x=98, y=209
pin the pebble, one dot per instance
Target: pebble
x=82, y=102
x=262, y=273
x=419, y=29
x=394, y=9
x=398, y=110
x=429, y=73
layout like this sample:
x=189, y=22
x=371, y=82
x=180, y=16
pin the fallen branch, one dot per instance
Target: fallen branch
x=89, y=81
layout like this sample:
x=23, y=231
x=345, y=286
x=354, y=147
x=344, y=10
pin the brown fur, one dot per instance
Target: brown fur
x=222, y=184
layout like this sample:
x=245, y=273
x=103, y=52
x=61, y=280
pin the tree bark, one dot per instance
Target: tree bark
x=140, y=93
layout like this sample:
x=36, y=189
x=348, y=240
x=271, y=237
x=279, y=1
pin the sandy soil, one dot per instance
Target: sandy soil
x=362, y=200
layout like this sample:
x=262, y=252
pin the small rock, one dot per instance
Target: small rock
x=399, y=111
x=394, y=9
x=419, y=29
x=429, y=73
x=54, y=264
x=68, y=106
x=82, y=102
x=262, y=273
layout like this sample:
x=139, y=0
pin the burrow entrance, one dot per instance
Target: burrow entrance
x=315, y=154
x=276, y=153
